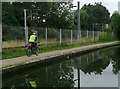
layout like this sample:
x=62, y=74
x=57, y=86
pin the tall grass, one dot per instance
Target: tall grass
x=14, y=43
x=17, y=43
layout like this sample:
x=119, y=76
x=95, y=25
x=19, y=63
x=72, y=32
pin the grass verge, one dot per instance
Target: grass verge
x=17, y=52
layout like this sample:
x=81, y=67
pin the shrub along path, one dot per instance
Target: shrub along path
x=21, y=60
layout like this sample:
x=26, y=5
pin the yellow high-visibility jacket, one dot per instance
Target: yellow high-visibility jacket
x=33, y=84
x=32, y=38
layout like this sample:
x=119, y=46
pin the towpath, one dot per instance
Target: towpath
x=23, y=59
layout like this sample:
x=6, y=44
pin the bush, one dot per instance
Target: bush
x=106, y=36
x=13, y=33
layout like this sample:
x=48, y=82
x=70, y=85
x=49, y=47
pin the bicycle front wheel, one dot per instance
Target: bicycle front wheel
x=37, y=51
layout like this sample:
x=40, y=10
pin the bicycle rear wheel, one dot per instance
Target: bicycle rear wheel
x=29, y=52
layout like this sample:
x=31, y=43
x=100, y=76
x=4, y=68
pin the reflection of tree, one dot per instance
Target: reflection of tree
x=61, y=74
x=116, y=60
x=58, y=75
x=100, y=64
x=103, y=61
x=96, y=67
x=76, y=64
x=94, y=62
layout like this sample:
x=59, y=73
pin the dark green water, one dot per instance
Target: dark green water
x=96, y=69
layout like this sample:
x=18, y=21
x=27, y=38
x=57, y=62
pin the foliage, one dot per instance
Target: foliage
x=115, y=24
x=98, y=15
x=56, y=15
x=14, y=33
x=106, y=37
x=116, y=61
x=8, y=15
x=108, y=29
x=83, y=19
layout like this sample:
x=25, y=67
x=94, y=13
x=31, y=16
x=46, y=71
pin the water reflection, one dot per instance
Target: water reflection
x=70, y=73
x=119, y=79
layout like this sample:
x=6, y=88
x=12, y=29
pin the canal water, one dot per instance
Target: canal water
x=95, y=69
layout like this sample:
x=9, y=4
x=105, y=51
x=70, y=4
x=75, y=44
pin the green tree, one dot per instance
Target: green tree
x=8, y=15
x=115, y=24
x=56, y=15
x=83, y=19
x=98, y=14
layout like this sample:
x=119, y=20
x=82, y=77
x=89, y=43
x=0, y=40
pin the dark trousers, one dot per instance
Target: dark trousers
x=34, y=44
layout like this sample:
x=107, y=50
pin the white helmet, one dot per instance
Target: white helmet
x=34, y=33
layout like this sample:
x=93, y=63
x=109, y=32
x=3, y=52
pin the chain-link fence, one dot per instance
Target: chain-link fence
x=12, y=36
x=15, y=36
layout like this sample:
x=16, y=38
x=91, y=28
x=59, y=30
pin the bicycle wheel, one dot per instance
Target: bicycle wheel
x=37, y=51
x=29, y=52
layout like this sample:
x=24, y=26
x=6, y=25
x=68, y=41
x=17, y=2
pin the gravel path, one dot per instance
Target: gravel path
x=18, y=60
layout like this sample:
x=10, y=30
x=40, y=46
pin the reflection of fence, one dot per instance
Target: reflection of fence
x=49, y=36
x=87, y=59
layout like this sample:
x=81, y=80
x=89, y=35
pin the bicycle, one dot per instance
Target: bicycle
x=32, y=50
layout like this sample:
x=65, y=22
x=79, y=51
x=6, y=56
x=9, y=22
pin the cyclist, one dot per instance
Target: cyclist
x=33, y=39
x=30, y=82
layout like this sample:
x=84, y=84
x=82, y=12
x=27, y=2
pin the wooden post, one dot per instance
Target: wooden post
x=71, y=36
x=45, y=36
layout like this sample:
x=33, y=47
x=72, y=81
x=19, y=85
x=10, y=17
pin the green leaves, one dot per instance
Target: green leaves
x=97, y=13
x=115, y=24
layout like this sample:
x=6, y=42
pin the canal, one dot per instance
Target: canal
x=96, y=69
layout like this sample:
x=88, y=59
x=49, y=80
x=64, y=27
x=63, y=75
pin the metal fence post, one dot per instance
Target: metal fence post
x=98, y=35
x=93, y=35
x=0, y=38
x=60, y=35
x=45, y=36
x=71, y=36
x=25, y=23
x=93, y=56
x=0, y=30
x=1, y=44
x=87, y=35
x=87, y=61
x=112, y=33
x=80, y=37
x=26, y=34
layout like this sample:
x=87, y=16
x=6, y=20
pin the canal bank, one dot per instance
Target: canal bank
x=13, y=64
